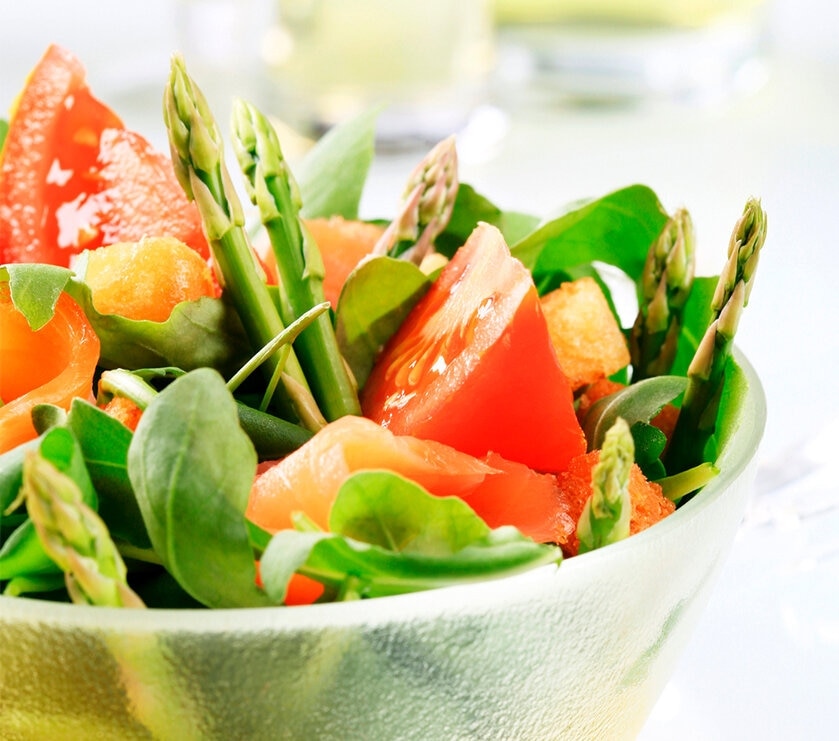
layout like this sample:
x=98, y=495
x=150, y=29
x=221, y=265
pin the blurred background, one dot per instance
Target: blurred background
x=708, y=102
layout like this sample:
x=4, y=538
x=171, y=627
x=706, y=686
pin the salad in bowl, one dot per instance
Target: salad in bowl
x=430, y=480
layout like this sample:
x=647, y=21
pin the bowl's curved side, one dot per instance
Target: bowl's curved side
x=576, y=652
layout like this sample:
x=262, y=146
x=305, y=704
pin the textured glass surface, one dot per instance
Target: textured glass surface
x=580, y=651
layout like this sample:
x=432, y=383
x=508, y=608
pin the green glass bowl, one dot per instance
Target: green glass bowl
x=580, y=651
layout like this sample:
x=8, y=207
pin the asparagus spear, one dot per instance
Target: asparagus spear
x=274, y=191
x=75, y=537
x=605, y=517
x=706, y=373
x=197, y=155
x=426, y=206
x=665, y=285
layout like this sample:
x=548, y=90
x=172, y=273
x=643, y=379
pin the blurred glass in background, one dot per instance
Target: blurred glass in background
x=615, y=51
x=427, y=63
x=220, y=42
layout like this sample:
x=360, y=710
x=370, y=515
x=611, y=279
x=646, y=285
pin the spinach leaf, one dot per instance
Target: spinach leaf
x=417, y=542
x=192, y=466
x=695, y=320
x=383, y=509
x=331, y=176
x=22, y=555
x=616, y=229
x=202, y=333
x=206, y=332
x=471, y=207
x=649, y=445
x=35, y=290
x=732, y=403
x=104, y=443
x=639, y=402
x=11, y=473
x=374, y=302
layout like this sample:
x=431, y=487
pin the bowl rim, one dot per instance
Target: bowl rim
x=740, y=452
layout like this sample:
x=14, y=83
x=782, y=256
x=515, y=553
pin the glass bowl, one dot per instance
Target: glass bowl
x=580, y=651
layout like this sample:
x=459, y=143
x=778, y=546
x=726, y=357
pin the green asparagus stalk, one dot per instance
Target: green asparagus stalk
x=665, y=285
x=198, y=157
x=273, y=189
x=426, y=206
x=75, y=537
x=706, y=372
x=605, y=517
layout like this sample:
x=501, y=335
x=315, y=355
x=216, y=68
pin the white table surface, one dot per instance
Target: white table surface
x=764, y=661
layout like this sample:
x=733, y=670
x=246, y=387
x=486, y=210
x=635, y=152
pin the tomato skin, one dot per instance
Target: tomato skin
x=73, y=178
x=141, y=195
x=473, y=366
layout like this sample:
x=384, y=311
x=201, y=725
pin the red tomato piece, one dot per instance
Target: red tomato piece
x=73, y=178
x=473, y=366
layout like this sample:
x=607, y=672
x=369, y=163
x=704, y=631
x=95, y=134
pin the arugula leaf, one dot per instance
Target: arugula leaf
x=192, y=466
x=419, y=542
x=331, y=176
x=375, y=300
x=616, y=229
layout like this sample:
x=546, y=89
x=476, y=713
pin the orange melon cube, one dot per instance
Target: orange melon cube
x=146, y=279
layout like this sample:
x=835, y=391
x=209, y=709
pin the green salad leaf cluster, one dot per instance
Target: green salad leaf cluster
x=169, y=499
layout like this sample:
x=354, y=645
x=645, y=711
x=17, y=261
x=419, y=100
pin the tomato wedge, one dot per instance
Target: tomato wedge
x=473, y=367
x=72, y=177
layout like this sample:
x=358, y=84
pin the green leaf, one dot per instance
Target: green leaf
x=331, y=176
x=4, y=129
x=471, y=207
x=639, y=402
x=732, y=404
x=381, y=508
x=22, y=555
x=695, y=320
x=446, y=544
x=616, y=229
x=11, y=473
x=202, y=333
x=374, y=302
x=35, y=289
x=104, y=442
x=649, y=445
x=192, y=467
